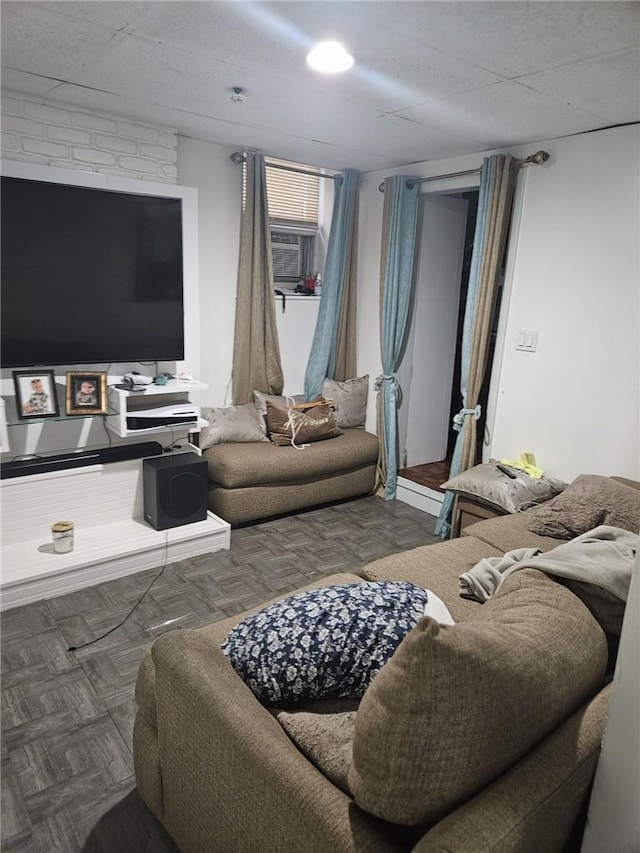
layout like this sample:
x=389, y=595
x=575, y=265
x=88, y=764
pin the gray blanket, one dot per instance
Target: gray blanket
x=604, y=556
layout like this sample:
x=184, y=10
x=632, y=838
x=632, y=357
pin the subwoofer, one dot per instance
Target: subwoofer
x=175, y=490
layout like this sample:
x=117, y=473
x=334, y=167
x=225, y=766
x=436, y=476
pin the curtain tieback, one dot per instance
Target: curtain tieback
x=386, y=377
x=458, y=420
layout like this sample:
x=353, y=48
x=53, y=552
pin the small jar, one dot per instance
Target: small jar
x=62, y=532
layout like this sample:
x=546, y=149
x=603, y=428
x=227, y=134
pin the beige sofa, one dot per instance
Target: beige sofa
x=253, y=480
x=220, y=772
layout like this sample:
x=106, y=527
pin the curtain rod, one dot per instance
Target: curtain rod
x=238, y=157
x=538, y=158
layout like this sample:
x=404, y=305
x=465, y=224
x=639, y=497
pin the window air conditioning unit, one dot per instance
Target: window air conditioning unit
x=286, y=255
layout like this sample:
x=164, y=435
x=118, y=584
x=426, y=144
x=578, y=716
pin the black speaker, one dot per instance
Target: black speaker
x=175, y=490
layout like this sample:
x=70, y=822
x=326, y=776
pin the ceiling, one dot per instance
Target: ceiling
x=431, y=79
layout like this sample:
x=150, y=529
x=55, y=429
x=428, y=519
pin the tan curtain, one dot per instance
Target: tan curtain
x=345, y=355
x=498, y=218
x=497, y=183
x=256, y=354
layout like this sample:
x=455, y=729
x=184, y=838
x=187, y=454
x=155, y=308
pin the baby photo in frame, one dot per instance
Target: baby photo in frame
x=36, y=394
x=86, y=393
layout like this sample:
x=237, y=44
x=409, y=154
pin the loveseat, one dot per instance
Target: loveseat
x=474, y=737
x=258, y=469
x=256, y=480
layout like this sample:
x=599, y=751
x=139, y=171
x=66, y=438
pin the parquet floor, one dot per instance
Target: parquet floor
x=67, y=717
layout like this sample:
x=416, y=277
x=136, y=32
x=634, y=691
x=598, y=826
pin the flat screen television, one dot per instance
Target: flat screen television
x=89, y=275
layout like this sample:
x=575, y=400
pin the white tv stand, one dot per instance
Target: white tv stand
x=105, y=502
x=123, y=402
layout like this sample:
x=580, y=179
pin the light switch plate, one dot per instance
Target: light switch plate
x=527, y=340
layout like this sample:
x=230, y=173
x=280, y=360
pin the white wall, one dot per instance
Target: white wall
x=575, y=279
x=613, y=823
x=574, y=264
x=207, y=167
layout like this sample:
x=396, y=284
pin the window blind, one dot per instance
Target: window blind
x=292, y=198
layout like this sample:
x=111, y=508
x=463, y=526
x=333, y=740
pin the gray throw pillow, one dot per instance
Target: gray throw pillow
x=232, y=424
x=590, y=500
x=487, y=485
x=350, y=400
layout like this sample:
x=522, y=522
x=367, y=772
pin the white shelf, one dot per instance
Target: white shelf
x=120, y=400
x=173, y=386
x=111, y=538
x=32, y=571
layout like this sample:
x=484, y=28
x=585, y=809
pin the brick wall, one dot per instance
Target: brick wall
x=57, y=134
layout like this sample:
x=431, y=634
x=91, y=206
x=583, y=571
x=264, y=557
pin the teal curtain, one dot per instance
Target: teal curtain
x=333, y=347
x=497, y=182
x=400, y=217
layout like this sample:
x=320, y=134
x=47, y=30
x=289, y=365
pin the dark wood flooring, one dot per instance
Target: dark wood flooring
x=67, y=717
x=431, y=474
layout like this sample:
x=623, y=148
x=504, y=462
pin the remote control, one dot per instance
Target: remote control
x=506, y=471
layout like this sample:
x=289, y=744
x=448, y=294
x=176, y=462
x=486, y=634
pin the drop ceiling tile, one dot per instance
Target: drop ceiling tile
x=160, y=74
x=234, y=135
x=115, y=14
x=391, y=71
x=513, y=38
x=28, y=84
x=504, y=114
x=403, y=141
x=40, y=42
x=608, y=86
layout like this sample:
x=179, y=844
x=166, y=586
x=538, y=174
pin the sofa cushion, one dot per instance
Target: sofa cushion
x=509, y=532
x=437, y=566
x=234, y=465
x=233, y=423
x=456, y=706
x=349, y=400
x=486, y=484
x=590, y=500
x=325, y=738
x=326, y=642
x=294, y=427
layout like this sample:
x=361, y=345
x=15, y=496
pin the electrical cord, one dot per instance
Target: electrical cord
x=135, y=606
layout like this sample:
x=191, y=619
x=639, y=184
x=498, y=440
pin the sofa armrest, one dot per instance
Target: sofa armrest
x=231, y=778
x=533, y=806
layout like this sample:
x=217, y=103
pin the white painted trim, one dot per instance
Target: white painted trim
x=421, y=497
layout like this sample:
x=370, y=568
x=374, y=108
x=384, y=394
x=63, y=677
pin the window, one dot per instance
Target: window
x=294, y=201
x=292, y=197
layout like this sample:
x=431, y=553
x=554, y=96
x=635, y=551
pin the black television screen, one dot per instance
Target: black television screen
x=89, y=275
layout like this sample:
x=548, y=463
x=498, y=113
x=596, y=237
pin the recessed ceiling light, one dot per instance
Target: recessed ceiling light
x=330, y=57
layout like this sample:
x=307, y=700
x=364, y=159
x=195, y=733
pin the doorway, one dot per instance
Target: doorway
x=430, y=370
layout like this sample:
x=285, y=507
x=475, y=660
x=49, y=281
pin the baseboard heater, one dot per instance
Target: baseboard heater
x=43, y=464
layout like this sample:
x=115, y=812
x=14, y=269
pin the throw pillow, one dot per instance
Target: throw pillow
x=589, y=501
x=328, y=642
x=487, y=485
x=350, y=400
x=260, y=401
x=457, y=705
x=300, y=426
x=232, y=424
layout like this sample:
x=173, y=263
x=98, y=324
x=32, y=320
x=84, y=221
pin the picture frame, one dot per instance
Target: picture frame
x=86, y=393
x=35, y=392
